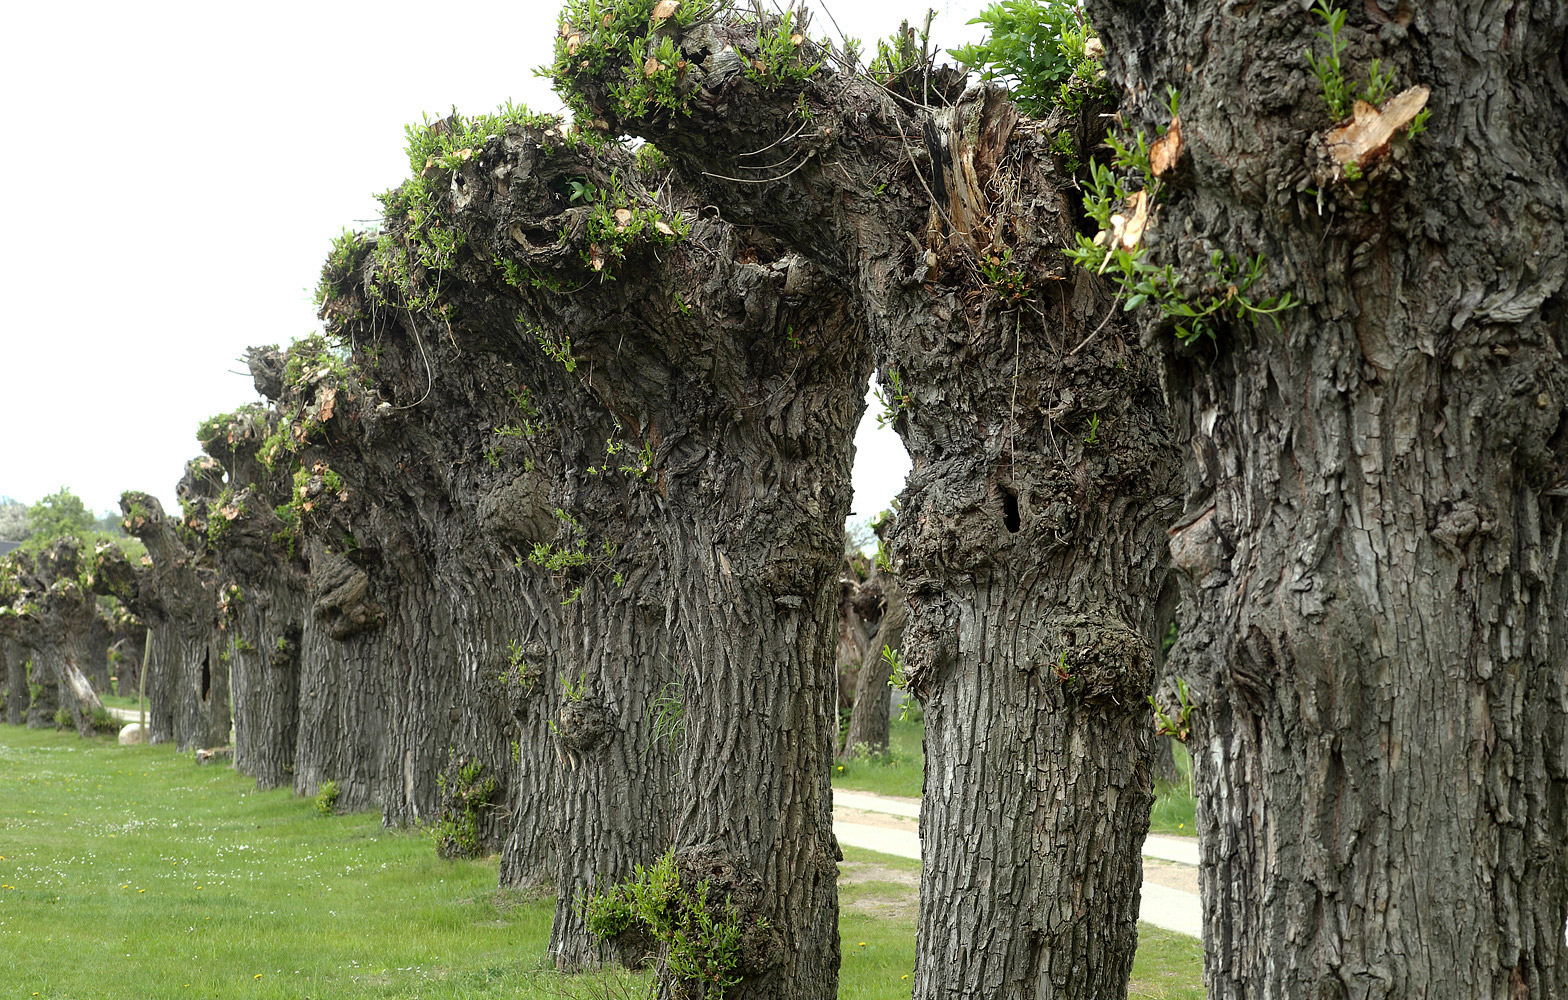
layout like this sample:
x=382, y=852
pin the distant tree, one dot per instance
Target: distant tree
x=58, y=515
x=13, y=520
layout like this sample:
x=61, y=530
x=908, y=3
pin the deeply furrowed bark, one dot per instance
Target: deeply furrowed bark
x=870, y=718
x=683, y=405
x=14, y=658
x=66, y=616
x=137, y=591
x=265, y=585
x=187, y=689
x=1372, y=626
x=410, y=585
x=1030, y=542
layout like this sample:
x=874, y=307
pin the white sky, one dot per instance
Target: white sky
x=177, y=172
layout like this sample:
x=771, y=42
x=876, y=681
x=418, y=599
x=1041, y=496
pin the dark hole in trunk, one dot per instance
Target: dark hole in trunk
x=206, y=678
x=1010, y=510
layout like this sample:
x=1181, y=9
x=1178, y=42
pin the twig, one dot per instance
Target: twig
x=1085, y=342
x=787, y=138
x=765, y=180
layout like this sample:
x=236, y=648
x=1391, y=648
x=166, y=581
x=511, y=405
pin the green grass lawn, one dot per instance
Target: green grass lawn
x=119, y=700
x=900, y=772
x=129, y=872
x=1174, y=803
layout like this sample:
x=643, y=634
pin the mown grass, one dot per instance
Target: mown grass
x=901, y=771
x=1174, y=803
x=129, y=872
x=898, y=772
x=119, y=700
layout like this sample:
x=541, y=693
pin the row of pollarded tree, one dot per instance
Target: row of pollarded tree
x=61, y=647
x=554, y=519
x=541, y=545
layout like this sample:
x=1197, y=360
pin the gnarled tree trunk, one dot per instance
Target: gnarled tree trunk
x=14, y=659
x=871, y=717
x=264, y=581
x=1030, y=542
x=684, y=411
x=186, y=684
x=1372, y=626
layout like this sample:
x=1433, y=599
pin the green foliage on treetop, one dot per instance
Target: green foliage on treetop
x=626, y=43
x=1040, y=49
x=57, y=515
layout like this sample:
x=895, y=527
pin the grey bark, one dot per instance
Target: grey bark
x=871, y=718
x=1372, y=620
x=95, y=653
x=186, y=680
x=1030, y=544
x=706, y=403
x=263, y=578
x=50, y=616
x=14, y=658
x=137, y=590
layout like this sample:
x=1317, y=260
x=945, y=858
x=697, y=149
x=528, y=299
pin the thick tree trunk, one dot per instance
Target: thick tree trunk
x=95, y=654
x=62, y=638
x=617, y=733
x=262, y=587
x=127, y=651
x=14, y=657
x=683, y=401
x=871, y=717
x=1372, y=627
x=159, y=683
x=43, y=692
x=187, y=680
x=343, y=686
x=1030, y=543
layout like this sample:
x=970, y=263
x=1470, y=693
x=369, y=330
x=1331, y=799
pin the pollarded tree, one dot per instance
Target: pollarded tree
x=62, y=647
x=133, y=586
x=178, y=598
x=870, y=719
x=697, y=413
x=28, y=702
x=13, y=662
x=264, y=577
x=1031, y=538
x=1372, y=629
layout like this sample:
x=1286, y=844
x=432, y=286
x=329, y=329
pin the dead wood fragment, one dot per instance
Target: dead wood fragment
x=1366, y=136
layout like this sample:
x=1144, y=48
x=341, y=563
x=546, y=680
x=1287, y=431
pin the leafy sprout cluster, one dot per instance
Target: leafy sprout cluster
x=702, y=938
x=629, y=43
x=1044, y=51
x=1120, y=197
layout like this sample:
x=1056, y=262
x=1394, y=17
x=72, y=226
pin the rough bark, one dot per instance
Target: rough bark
x=136, y=589
x=64, y=648
x=126, y=650
x=263, y=579
x=1372, y=620
x=1030, y=541
x=95, y=653
x=691, y=403
x=871, y=717
x=421, y=608
x=187, y=681
x=21, y=625
x=14, y=658
x=859, y=605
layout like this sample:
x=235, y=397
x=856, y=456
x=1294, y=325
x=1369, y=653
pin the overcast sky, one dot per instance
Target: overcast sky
x=176, y=173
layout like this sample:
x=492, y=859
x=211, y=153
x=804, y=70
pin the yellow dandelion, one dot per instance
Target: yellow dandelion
x=862, y=944
x=906, y=975
x=258, y=975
